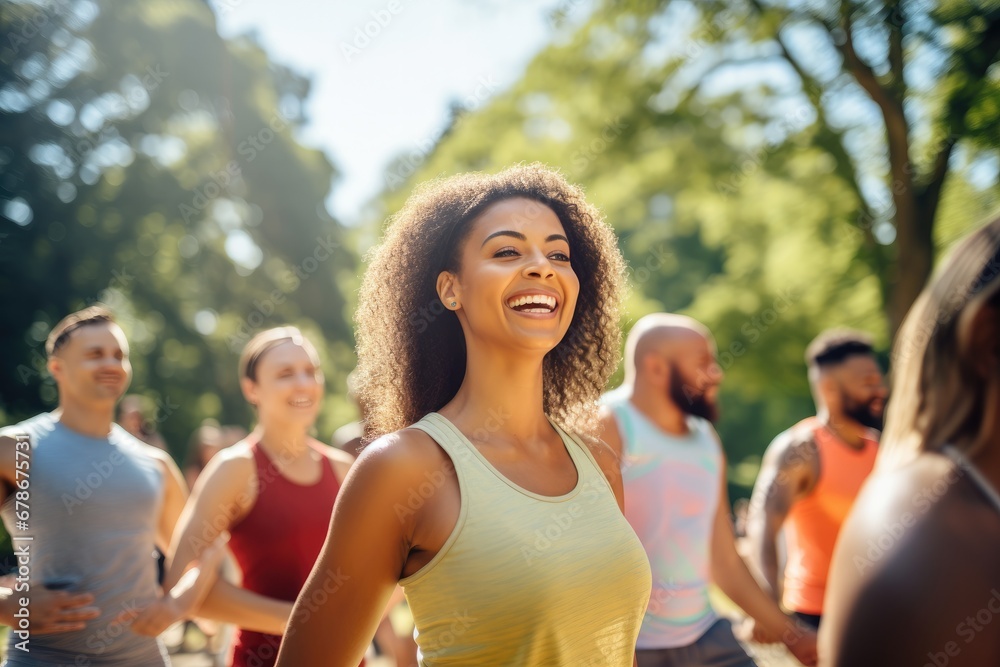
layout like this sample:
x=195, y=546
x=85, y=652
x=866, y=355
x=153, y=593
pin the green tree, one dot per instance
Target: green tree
x=717, y=172
x=150, y=164
x=923, y=79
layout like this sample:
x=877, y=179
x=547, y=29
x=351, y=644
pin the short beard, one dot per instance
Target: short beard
x=862, y=413
x=696, y=404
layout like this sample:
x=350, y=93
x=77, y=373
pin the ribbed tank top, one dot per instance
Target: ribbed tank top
x=814, y=522
x=94, y=504
x=671, y=499
x=277, y=543
x=526, y=579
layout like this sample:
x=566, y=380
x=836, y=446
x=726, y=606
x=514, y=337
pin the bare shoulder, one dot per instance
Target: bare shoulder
x=915, y=549
x=339, y=459
x=233, y=466
x=8, y=455
x=926, y=509
x=608, y=459
x=609, y=430
x=405, y=454
x=794, y=448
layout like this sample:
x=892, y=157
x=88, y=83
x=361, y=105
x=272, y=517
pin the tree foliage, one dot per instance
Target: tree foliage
x=741, y=163
x=150, y=164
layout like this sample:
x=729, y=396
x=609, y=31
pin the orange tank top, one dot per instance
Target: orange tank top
x=814, y=522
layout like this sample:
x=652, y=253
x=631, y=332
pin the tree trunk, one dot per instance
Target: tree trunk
x=913, y=263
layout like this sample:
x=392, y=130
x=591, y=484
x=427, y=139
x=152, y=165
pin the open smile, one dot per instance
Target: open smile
x=533, y=303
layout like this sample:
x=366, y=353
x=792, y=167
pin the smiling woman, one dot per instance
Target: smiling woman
x=487, y=328
x=405, y=375
x=273, y=492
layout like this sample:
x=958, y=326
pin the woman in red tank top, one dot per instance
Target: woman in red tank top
x=273, y=492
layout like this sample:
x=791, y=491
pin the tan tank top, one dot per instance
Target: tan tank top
x=526, y=579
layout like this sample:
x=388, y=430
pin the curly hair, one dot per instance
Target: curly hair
x=411, y=349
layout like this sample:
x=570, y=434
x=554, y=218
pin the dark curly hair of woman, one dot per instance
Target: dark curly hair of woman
x=411, y=349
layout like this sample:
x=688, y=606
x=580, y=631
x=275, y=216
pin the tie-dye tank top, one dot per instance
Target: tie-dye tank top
x=671, y=498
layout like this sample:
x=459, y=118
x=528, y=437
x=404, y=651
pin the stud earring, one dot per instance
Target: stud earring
x=454, y=304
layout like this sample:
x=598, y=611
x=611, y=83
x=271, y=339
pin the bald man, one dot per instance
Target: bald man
x=660, y=424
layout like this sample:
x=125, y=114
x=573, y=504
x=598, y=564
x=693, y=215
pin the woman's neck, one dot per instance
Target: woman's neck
x=286, y=442
x=500, y=394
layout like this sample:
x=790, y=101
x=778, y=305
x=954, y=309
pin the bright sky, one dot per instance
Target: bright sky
x=372, y=101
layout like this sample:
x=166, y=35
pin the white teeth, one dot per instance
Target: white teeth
x=548, y=301
x=301, y=402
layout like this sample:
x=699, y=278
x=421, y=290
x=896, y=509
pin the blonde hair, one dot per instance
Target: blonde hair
x=938, y=398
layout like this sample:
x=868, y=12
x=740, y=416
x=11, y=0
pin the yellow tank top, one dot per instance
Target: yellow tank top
x=526, y=579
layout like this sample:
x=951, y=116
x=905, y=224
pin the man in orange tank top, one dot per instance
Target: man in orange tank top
x=812, y=472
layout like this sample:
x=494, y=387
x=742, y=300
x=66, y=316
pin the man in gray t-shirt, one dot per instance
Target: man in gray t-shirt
x=85, y=504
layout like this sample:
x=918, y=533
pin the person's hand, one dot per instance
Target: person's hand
x=53, y=612
x=749, y=630
x=155, y=617
x=801, y=641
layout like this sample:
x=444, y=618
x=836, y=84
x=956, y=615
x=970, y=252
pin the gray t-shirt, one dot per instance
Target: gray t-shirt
x=93, y=506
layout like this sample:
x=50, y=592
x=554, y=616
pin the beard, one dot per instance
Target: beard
x=862, y=412
x=691, y=400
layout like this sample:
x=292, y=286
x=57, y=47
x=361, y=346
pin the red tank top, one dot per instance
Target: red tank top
x=276, y=544
x=814, y=522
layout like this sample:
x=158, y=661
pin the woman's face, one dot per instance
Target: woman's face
x=289, y=385
x=516, y=283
